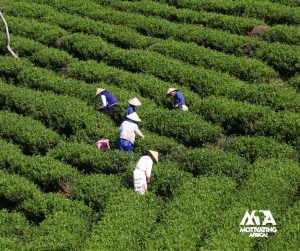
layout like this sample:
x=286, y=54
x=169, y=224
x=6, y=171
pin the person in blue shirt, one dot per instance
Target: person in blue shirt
x=133, y=102
x=178, y=99
x=108, y=101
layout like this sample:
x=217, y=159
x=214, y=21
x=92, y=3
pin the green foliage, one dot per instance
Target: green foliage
x=187, y=128
x=16, y=189
x=279, y=177
x=256, y=147
x=167, y=178
x=247, y=69
x=60, y=231
x=126, y=224
x=272, y=185
x=193, y=214
x=95, y=190
x=23, y=46
x=32, y=135
x=45, y=204
x=66, y=115
x=15, y=230
x=287, y=238
x=196, y=197
x=235, y=117
x=208, y=161
x=44, y=171
x=90, y=159
x=35, y=30
x=52, y=58
x=287, y=34
x=166, y=147
x=283, y=126
x=220, y=40
x=271, y=12
x=14, y=225
x=234, y=24
x=295, y=82
x=206, y=84
x=251, y=70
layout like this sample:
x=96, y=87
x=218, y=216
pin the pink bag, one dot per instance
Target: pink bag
x=103, y=144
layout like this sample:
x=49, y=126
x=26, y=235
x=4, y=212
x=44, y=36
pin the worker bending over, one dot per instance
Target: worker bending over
x=142, y=172
x=178, y=99
x=128, y=129
x=133, y=102
x=108, y=101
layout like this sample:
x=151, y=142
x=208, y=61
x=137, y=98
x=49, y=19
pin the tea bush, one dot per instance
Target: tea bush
x=256, y=147
x=90, y=159
x=44, y=171
x=96, y=189
x=66, y=115
x=32, y=135
x=125, y=227
x=193, y=214
x=208, y=161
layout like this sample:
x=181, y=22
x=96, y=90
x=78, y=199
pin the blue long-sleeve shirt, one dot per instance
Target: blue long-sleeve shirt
x=178, y=99
x=130, y=109
x=107, y=99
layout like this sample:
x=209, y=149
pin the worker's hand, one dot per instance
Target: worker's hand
x=148, y=180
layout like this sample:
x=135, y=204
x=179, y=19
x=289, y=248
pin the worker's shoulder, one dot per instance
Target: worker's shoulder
x=146, y=158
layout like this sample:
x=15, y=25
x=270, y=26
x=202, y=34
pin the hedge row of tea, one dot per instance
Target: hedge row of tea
x=245, y=68
x=239, y=25
x=58, y=192
x=246, y=119
x=219, y=89
x=282, y=57
x=271, y=12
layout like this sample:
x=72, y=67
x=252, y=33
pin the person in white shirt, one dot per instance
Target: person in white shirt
x=142, y=172
x=128, y=129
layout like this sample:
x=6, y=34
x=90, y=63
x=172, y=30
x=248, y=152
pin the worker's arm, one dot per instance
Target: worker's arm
x=104, y=102
x=137, y=131
x=148, y=170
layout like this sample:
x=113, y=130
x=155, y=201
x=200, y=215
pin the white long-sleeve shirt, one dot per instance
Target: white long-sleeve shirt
x=128, y=130
x=145, y=164
x=104, y=101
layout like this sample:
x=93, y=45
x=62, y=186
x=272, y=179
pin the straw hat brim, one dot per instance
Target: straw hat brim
x=133, y=116
x=135, y=102
x=171, y=90
x=154, y=154
x=99, y=90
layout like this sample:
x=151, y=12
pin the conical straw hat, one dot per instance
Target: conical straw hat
x=99, y=90
x=133, y=116
x=154, y=155
x=171, y=90
x=134, y=101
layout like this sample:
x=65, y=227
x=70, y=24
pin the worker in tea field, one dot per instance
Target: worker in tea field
x=128, y=129
x=133, y=102
x=108, y=101
x=142, y=172
x=178, y=99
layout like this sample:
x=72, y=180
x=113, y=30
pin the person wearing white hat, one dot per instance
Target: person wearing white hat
x=133, y=102
x=142, y=172
x=178, y=99
x=108, y=101
x=128, y=129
